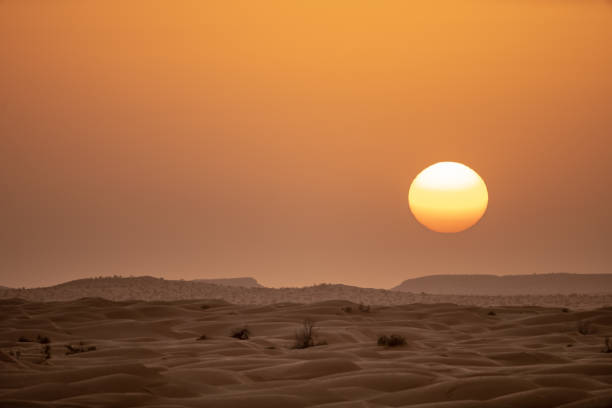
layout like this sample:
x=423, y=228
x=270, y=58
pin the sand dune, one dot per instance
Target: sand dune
x=147, y=354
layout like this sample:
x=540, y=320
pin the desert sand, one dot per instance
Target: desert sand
x=152, y=354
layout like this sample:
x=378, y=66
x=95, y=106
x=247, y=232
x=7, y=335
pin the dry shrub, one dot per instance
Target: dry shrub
x=361, y=307
x=364, y=308
x=394, y=340
x=79, y=348
x=241, y=333
x=584, y=327
x=45, y=351
x=607, y=345
x=43, y=339
x=305, y=337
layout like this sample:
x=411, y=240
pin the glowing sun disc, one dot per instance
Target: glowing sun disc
x=448, y=197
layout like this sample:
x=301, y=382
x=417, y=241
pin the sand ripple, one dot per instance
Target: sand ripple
x=147, y=354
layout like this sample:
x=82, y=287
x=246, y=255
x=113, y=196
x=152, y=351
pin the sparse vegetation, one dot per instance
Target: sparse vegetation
x=394, y=340
x=362, y=308
x=39, y=339
x=607, y=345
x=241, y=333
x=43, y=339
x=79, y=348
x=304, y=337
x=204, y=307
x=46, y=351
x=202, y=337
x=584, y=327
x=492, y=313
x=565, y=310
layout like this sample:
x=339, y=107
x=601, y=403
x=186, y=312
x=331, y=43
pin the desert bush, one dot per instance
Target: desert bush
x=584, y=327
x=364, y=308
x=43, y=339
x=361, y=307
x=241, y=333
x=202, y=337
x=304, y=337
x=492, y=313
x=45, y=351
x=24, y=339
x=393, y=340
x=204, y=307
x=607, y=345
x=79, y=348
x=565, y=310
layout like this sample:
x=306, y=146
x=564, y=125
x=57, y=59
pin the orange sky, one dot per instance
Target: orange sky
x=279, y=139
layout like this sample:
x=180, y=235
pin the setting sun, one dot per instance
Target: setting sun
x=448, y=197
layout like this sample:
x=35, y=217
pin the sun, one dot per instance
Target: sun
x=448, y=197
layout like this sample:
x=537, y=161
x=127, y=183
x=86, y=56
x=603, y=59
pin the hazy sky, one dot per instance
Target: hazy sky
x=192, y=139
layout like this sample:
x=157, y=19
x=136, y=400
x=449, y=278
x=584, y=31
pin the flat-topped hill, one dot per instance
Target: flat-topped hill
x=545, y=284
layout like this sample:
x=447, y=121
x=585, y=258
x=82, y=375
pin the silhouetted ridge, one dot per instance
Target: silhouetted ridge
x=150, y=289
x=545, y=284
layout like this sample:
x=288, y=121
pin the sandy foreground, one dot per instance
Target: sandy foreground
x=147, y=354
